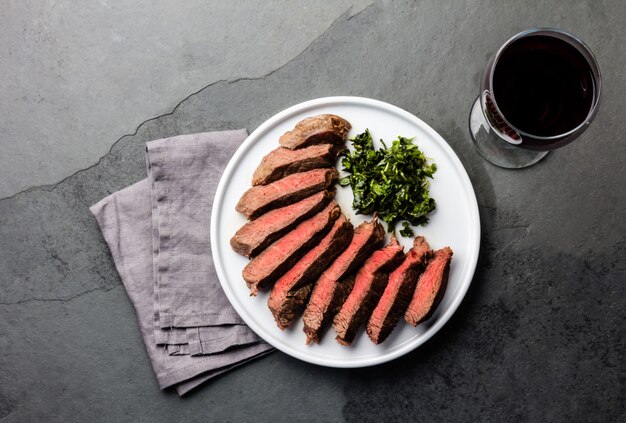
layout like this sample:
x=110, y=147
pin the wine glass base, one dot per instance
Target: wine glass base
x=493, y=148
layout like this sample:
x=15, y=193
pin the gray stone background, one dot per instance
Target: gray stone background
x=540, y=335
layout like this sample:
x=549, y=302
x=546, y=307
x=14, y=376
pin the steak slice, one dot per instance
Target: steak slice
x=283, y=161
x=320, y=129
x=260, y=199
x=255, y=236
x=369, y=285
x=266, y=268
x=317, y=317
x=431, y=286
x=397, y=295
x=288, y=297
x=331, y=290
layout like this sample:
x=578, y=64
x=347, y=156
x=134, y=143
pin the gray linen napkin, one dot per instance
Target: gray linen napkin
x=184, y=172
x=145, y=256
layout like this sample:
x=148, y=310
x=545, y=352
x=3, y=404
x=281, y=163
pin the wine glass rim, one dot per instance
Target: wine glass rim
x=575, y=42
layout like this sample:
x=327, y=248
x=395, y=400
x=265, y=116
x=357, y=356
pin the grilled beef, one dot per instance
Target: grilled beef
x=331, y=290
x=291, y=306
x=317, y=317
x=369, y=285
x=431, y=286
x=292, y=290
x=262, y=271
x=255, y=236
x=283, y=161
x=320, y=129
x=260, y=199
x=397, y=294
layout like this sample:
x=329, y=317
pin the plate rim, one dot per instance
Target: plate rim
x=467, y=187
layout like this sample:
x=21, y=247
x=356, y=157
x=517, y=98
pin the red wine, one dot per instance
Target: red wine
x=543, y=85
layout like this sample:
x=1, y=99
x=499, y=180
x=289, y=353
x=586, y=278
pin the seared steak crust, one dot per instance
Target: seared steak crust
x=320, y=129
x=319, y=314
x=262, y=271
x=291, y=306
x=283, y=161
x=398, y=292
x=370, y=282
x=263, y=198
x=284, y=303
x=431, y=287
x=256, y=235
x=331, y=290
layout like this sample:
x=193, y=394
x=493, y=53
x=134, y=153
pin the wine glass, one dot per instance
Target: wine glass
x=539, y=92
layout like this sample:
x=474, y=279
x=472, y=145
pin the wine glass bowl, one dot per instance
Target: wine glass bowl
x=539, y=92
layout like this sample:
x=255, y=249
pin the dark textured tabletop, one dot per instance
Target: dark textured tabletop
x=540, y=334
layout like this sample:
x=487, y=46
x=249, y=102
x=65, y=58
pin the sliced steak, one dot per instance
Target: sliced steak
x=317, y=317
x=331, y=290
x=283, y=161
x=397, y=294
x=291, y=306
x=431, y=286
x=320, y=129
x=369, y=285
x=255, y=236
x=267, y=267
x=260, y=199
x=288, y=297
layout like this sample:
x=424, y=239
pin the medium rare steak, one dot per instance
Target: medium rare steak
x=263, y=270
x=283, y=161
x=331, y=290
x=288, y=298
x=255, y=236
x=431, y=286
x=320, y=129
x=260, y=199
x=317, y=317
x=397, y=294
x=369, y=285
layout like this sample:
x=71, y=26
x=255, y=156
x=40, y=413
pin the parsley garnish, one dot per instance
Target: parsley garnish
x=389, y=181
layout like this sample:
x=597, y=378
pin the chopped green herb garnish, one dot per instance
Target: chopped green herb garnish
x=389, y=181
x=407, y=231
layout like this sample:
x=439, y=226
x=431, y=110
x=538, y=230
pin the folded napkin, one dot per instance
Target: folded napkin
x=158, y=234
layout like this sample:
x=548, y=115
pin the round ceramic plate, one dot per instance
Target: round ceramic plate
x=455, y=222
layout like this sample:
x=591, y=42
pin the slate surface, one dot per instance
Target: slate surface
x=78, y=75
x=539, y=337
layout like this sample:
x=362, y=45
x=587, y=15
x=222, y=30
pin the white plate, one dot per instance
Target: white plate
x=455, y=222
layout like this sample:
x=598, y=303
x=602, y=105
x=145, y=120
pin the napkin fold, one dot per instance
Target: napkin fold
x=158, y=231
x=184, y=172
